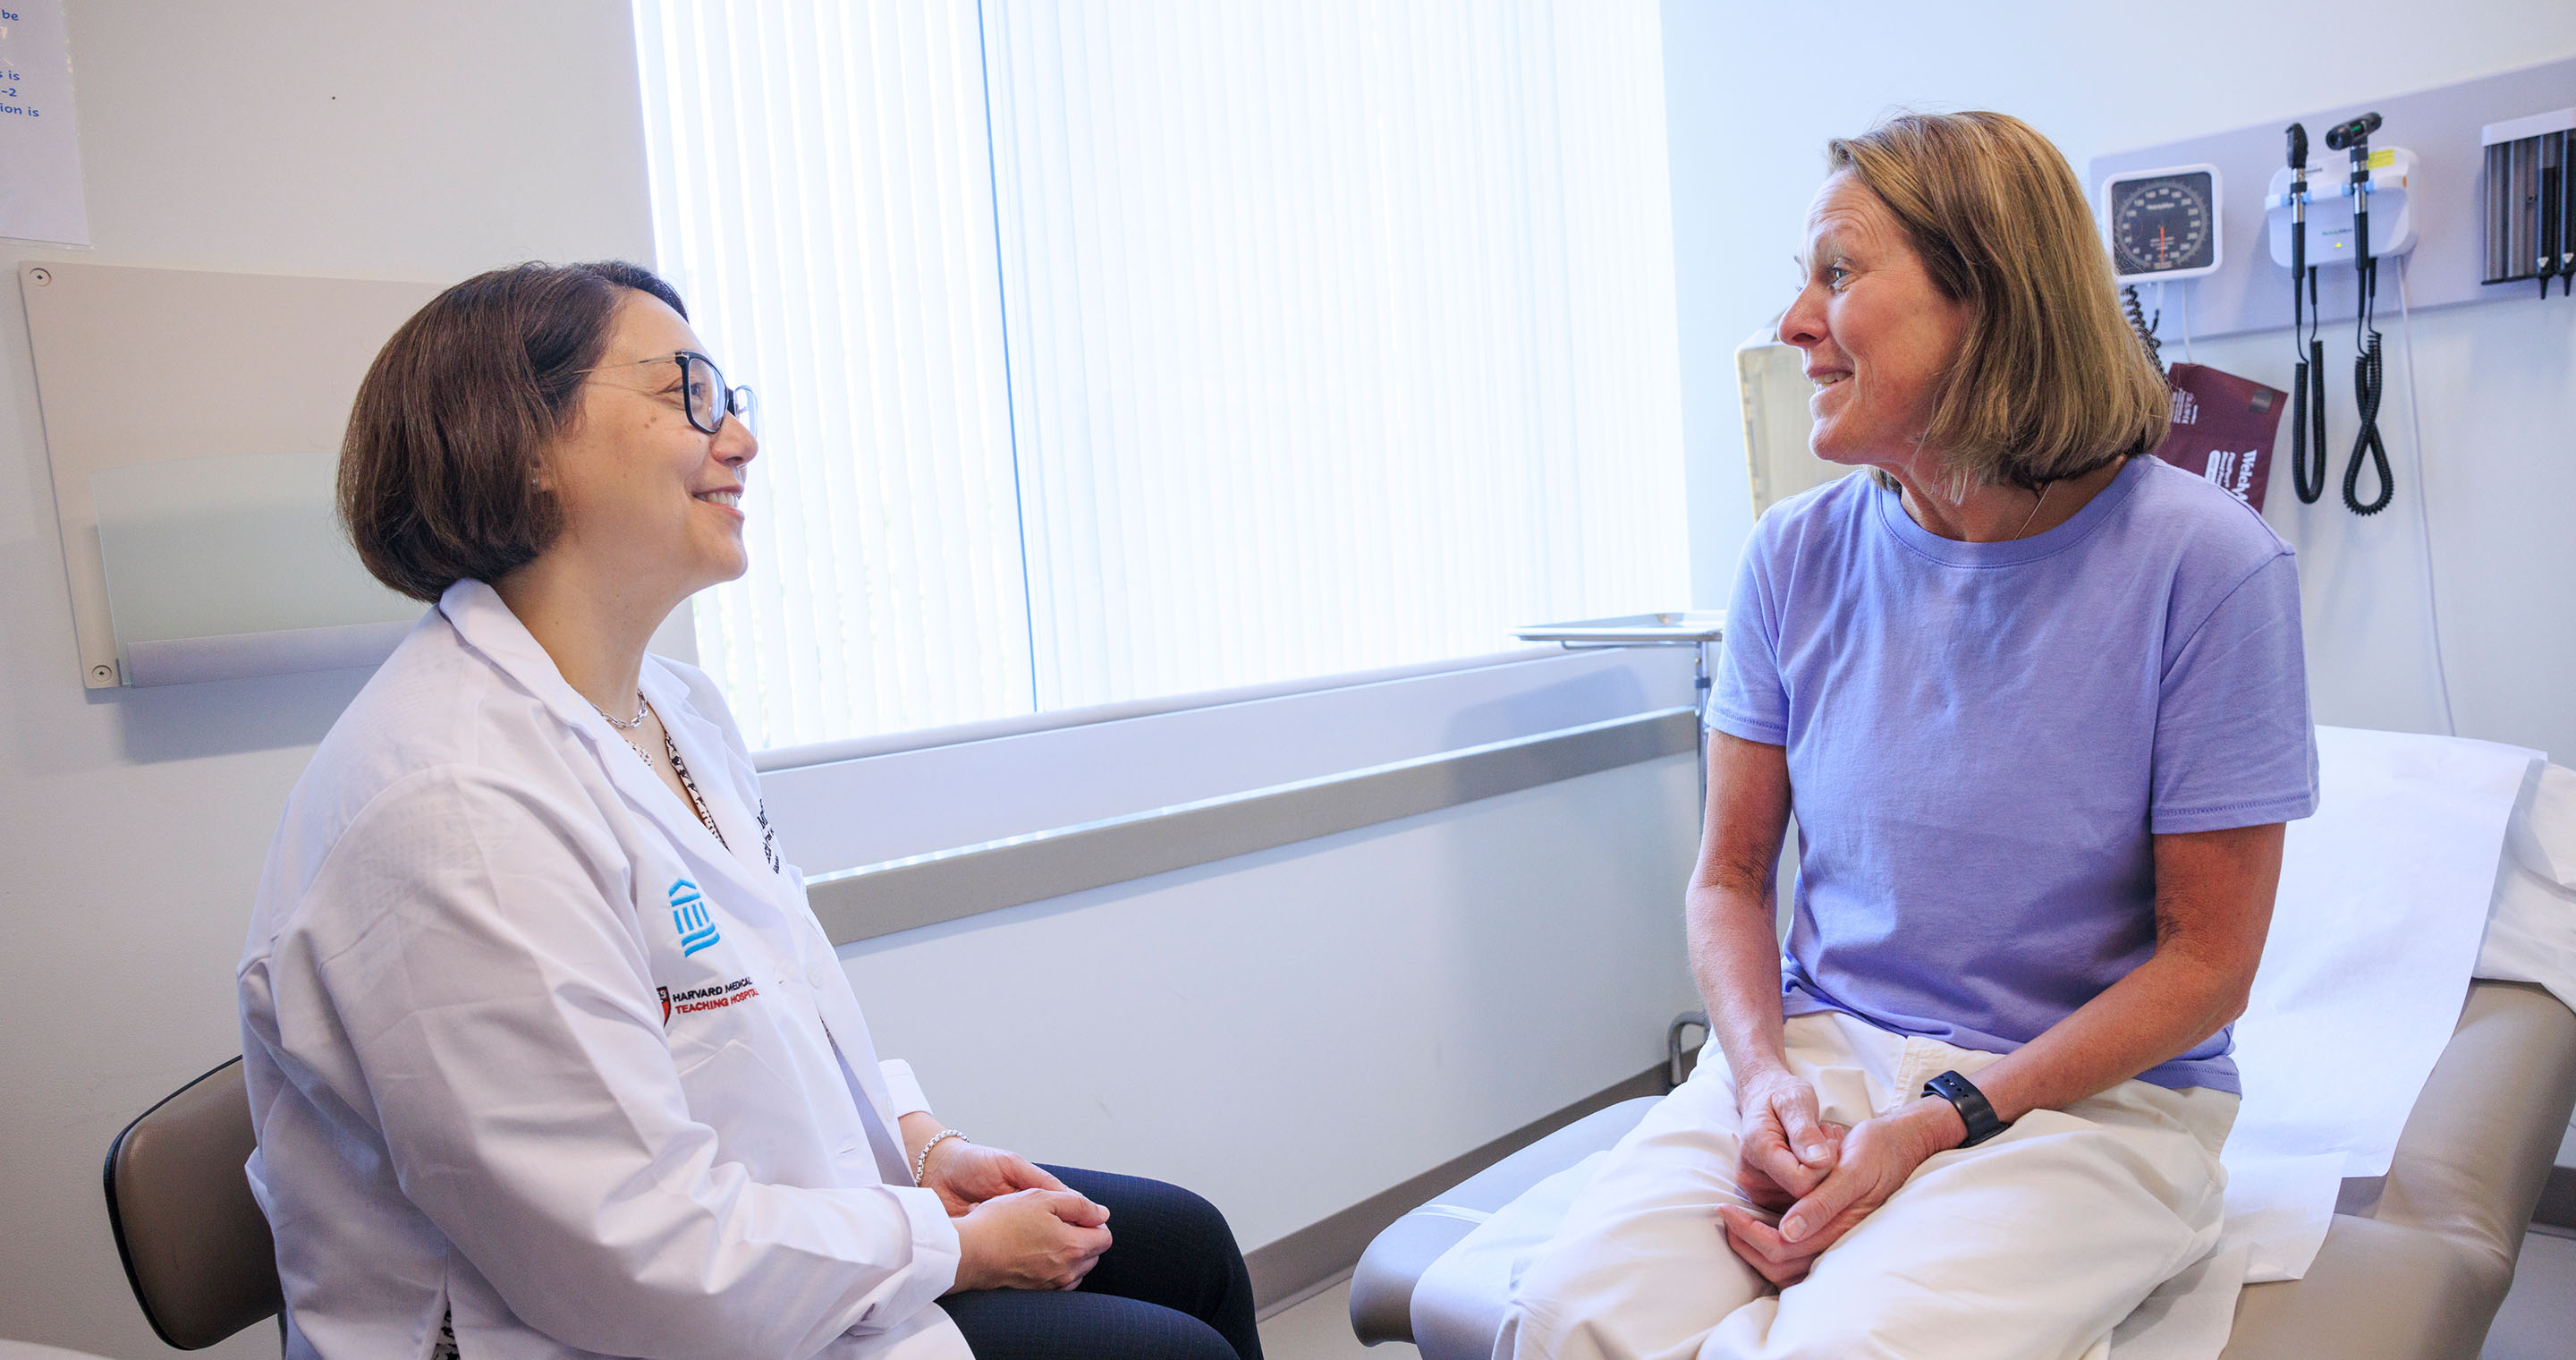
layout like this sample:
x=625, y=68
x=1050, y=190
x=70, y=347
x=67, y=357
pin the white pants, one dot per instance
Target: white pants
x=2033, y=1244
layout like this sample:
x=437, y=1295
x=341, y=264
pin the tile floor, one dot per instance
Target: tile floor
x=1320, y=1329
x=2539, y=1316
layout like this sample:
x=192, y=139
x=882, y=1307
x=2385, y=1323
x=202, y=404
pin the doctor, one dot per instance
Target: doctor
x=547, y=1055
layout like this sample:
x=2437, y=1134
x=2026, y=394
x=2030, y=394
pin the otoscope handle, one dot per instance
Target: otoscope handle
x=2299, y=432
x=2308, y=425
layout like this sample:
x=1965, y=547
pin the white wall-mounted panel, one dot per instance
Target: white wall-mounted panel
x=151, y=365
x=233, y=565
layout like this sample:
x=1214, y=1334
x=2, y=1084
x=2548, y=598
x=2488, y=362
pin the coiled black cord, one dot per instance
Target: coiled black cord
x=2307, y=396
x=2366, y=382
x=2145, y=328
x=2366, y=388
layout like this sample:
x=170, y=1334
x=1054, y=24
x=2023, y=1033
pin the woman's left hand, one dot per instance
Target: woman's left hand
x=967, y=1174
x=1877, y=1157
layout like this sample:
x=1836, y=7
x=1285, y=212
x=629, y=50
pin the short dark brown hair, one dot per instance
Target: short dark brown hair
x=437, y=470
x=2050, y=382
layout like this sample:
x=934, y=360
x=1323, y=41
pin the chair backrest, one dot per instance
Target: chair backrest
x=195, y=1245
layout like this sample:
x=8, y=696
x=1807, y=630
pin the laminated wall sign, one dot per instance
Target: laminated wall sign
x=40, y=175
x=2223, y=427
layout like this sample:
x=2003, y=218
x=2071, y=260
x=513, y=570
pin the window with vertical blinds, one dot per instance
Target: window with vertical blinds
x=1123, y=349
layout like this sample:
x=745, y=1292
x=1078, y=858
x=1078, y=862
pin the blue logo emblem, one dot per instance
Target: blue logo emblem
x=689, y=917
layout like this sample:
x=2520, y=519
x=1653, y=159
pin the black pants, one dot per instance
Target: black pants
x=1171, y=1287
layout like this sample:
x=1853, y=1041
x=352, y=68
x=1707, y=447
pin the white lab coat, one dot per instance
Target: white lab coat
x=525, y=1043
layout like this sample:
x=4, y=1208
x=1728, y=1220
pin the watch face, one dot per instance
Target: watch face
x=2162, y=224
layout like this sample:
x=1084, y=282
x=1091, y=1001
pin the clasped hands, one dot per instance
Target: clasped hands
x=1017, y=1226
x=1819, y=1178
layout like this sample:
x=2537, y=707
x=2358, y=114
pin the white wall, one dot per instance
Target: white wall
x=381, y=141
x=1291, y=1032
x=1755, y=89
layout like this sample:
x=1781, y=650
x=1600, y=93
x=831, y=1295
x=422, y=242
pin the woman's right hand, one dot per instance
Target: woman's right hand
x=1783, y=1146
x=1033, y=1239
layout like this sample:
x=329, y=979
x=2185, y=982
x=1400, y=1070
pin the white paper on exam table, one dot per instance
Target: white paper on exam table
x=2384, y=898
x=2279, y=1207
x=2281, y=1203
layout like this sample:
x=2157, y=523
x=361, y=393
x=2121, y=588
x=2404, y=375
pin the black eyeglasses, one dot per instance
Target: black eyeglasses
x=707, y=399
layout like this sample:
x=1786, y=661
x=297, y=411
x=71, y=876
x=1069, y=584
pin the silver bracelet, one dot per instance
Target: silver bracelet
x=921, y=1159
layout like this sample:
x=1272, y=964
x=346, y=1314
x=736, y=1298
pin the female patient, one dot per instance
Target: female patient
x=547, y=1055
x=2037, y=704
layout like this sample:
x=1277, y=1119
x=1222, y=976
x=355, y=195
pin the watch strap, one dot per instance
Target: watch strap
x=1974, y=1109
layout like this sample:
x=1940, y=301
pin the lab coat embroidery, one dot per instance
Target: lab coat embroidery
x=689, y=917
x=714, y=997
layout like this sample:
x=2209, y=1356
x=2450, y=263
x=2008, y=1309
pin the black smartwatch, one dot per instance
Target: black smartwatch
x=1974, y=1111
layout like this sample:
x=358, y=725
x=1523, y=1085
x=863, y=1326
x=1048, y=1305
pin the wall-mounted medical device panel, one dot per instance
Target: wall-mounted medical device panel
x=188, y=418
x=2529, y=205
x=2444, y=194
x=2331, y=199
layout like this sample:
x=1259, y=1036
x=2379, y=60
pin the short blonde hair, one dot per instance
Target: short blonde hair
x=2050, y=382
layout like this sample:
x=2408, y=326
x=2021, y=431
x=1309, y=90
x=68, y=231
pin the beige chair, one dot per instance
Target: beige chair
x=195, y=1245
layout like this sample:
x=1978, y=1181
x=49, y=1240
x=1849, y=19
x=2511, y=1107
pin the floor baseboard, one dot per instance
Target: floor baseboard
x=1317, y=1256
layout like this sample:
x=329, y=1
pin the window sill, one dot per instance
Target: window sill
x=931, y=800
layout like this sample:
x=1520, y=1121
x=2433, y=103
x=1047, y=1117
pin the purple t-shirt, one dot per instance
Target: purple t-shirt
x=1983, y=737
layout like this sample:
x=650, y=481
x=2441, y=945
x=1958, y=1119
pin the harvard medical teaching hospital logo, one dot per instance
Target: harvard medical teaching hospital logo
x=689, y=917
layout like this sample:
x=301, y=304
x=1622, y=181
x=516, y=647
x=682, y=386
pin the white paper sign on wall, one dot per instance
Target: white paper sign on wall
x=40, y=175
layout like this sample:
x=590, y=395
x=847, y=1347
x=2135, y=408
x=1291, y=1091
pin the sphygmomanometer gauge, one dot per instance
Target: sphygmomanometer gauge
x=2163, y=224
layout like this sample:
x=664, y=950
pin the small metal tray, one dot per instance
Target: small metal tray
x=1680, y=628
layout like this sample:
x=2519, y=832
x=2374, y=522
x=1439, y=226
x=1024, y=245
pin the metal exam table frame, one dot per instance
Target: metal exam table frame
x=2413, y=1266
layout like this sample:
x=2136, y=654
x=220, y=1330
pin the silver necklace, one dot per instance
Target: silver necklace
x=2026, y=522
x=671, y=748
x=622, y=724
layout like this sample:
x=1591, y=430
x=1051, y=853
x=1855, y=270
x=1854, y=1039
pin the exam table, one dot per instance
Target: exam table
x=2414, y=1264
